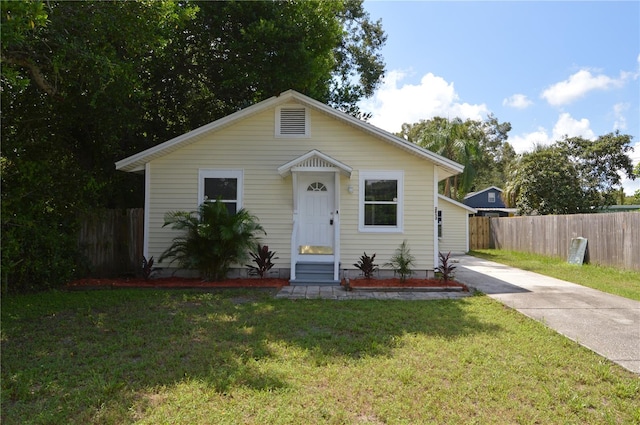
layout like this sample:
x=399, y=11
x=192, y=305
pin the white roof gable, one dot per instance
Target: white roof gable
x=314, y=160
x=137, y=162
x=456, y=203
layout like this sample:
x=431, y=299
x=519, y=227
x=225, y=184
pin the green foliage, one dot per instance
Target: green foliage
x=402, y=261
x=445, y=268
x=478, y=145
x=214, y=239
x=571, y=176
x=366, y=265
x=263, y=259
x=84, y=84
x=241, y=356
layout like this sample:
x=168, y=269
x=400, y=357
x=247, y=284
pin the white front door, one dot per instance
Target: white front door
x=316, y=200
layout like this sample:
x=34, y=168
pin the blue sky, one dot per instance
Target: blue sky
x=548, y=68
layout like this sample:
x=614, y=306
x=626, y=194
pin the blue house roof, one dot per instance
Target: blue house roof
x=486, y=198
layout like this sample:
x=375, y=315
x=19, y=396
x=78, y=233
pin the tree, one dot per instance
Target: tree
x=574, y=175
x=85, y=84
x=545, y=182
x=234, y=54
x=478, y=145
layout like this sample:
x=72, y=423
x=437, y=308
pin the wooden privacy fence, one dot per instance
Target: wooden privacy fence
x=613, y=238
x=111, y=241
x=479, y=233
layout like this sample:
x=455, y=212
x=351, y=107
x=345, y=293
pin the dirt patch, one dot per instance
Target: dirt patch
x=408, y=283
x=177, y=282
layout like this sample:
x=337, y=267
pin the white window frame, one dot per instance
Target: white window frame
x=221, y=174
x=440, y=227
x=307, y=132
x=382, y=175
x=492, y=198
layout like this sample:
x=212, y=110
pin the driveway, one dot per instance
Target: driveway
x=607, y=324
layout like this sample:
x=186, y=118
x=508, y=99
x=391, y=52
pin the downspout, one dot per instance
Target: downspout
x=336, y=227
x=147, y=204
x=435, y=218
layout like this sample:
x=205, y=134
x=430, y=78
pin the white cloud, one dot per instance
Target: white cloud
x=527, y=141
x=578, y=85
x=620, y=122
x=518, y=101
x=567, y=125
x=394, y=104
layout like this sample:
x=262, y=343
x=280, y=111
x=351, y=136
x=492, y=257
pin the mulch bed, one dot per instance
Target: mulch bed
x=181, y=282
x=177, y=282
x=408, y=283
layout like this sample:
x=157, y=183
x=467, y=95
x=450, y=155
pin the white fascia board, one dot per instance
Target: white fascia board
x=457, y=204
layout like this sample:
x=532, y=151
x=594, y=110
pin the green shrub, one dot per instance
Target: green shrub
x=402, y=261
x=214, y=238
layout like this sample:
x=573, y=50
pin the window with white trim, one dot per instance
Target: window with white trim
x=381, y=201
x=223, y=185
x=292, y=121
x=439, y=223
x=492, y=197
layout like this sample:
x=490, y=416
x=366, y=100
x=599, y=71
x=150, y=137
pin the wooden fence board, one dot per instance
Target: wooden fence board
x=111, y=241
x=613, y=238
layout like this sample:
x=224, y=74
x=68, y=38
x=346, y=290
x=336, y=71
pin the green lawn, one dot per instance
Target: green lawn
x=625, y=283
x=244, y=357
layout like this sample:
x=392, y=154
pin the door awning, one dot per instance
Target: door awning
x=314, y=161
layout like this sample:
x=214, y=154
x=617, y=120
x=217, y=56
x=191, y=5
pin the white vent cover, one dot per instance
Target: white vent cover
x=293, y=122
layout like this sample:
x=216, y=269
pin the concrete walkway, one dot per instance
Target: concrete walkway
x=604, y=323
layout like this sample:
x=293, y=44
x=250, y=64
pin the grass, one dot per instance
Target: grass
x=625, y=283
x=242, y=356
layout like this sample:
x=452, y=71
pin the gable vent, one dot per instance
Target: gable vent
x=292, y=122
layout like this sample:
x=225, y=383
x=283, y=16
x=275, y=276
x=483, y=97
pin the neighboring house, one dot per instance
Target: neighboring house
x=488, y=202
x=325, y=186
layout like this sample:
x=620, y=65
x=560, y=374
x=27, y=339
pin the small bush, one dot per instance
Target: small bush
x=214, y=238
x=445, y=269
x=402, y=261
x=262, y=257
x=367, y=266
x=147, y=268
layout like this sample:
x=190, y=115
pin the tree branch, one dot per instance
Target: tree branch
x=34, y=70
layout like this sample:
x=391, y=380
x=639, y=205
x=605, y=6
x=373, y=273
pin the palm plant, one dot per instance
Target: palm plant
x=402, y=261
x=214, y=238
x=453, y=139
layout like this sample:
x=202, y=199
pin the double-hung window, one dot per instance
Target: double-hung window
x=222, y=185
x=492, y=197
x=381, y=201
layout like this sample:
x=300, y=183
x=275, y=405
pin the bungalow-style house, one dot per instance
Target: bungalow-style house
x=488, y=203
x=325, y=186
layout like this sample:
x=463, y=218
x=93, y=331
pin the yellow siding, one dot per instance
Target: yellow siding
x=250, y=145
x=454, y=228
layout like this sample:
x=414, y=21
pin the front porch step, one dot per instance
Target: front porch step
x=318, y=282
x=310, y=273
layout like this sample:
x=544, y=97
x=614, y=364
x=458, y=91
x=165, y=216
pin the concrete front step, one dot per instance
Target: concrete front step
x=315, y=282
x=309, y=273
